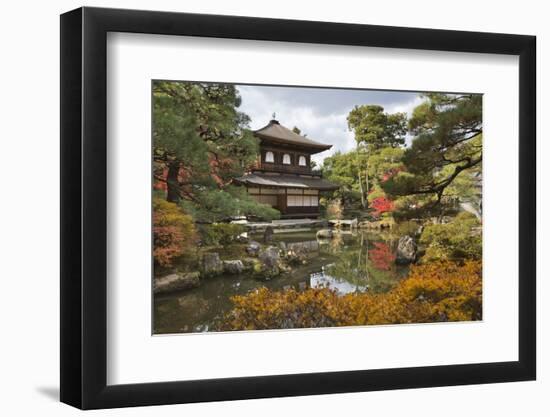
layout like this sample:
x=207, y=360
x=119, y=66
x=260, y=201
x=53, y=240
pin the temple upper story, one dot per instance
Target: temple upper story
x=285, y=151
x=283, y=177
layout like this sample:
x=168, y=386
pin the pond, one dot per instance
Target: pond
x=347, y=263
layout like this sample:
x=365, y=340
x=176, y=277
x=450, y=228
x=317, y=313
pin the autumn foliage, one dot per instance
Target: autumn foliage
x=436, y=292
x=382, y=256
x=173, y=232
x=382, y=205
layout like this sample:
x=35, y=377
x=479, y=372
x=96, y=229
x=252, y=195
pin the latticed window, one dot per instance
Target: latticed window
x=302, y=201
x=286, y=159
x=302, y=161
x=295, y=201
x=269, y=157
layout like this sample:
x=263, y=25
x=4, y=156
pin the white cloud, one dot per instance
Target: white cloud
x=329, y=128
x=406, y=107
x=315, y=121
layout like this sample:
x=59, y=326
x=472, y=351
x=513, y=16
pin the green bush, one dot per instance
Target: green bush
x=407, y=227
x=221, y=233
x=459, y=239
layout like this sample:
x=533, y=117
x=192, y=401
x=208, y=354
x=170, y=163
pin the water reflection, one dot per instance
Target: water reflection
x=347, y=263
x=365, y=263
x=323, y=280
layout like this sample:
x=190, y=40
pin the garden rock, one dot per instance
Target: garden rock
x=268, y=234
x=406, y=250
x=297, y=253
x=269, y=257
x=176, y=282
x=253, y=248
x=233, y=267
x=211, y=264
x=249, y=264
x=270, y=262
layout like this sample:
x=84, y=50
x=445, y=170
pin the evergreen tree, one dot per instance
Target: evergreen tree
x=446, y=149
x=201, y=143
x=374, y=129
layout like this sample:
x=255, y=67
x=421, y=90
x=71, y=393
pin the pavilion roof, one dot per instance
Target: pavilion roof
x=287, y=181
x=275, y=132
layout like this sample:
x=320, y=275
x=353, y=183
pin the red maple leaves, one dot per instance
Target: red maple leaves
x=382, y=205
x=382, y=256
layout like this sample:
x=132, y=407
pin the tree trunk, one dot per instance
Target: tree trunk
x=367, y=186
x=361, y=189
x=173, y=192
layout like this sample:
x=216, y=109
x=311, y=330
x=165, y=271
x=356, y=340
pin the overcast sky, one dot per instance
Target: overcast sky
x=319, y=112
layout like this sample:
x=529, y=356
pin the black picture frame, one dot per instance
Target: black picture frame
x=84, y=207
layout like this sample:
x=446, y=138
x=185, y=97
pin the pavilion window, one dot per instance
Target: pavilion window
x=269, y=157
x=302, y=161
x=302, y=201
x=286, y=159
x=311, y=201
x=295, y=201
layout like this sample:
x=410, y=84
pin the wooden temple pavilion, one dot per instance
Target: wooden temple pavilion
x=283, y=177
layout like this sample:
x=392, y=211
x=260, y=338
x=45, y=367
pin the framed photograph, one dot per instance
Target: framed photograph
x=257, y=208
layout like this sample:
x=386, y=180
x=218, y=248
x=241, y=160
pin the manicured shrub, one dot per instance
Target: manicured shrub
x=221, y=233
x=436, y=292
x=173, y=232
x=457, y=240
x=407, y=227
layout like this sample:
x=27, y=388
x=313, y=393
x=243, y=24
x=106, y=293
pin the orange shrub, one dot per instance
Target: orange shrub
x=436, y=292
x=173, y=232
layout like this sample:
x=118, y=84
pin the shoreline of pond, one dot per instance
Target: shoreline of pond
x=349, y=262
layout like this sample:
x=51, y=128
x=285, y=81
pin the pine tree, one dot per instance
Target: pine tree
x=447, y=144
x=201, y=143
